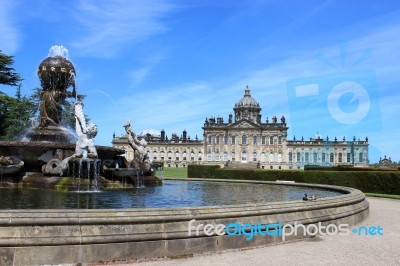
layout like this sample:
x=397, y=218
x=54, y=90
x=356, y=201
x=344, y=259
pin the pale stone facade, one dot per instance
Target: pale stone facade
x=246, y=140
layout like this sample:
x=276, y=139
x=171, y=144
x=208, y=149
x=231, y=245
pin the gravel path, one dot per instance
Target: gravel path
x=327, y=250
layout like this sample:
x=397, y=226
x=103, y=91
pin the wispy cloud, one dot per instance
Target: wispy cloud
x=107, y=26
x=9, y=34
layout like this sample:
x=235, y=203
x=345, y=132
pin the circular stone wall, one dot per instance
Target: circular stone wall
x=83, y=236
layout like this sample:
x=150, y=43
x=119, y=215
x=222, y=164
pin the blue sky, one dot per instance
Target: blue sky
x=170, y=64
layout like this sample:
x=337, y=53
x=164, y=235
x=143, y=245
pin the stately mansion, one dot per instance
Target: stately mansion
x=244, y=140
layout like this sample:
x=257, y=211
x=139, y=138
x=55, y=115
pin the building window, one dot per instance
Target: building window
x=217, y=156
x=169, y=155
x=315, y=157
x=298, y=157
x=331, y=157
x=209, y=158
x=233, y=156
x=244, y=139
x=271, y=157
x=184, y=156
x=217, y=140
x=233, y=140
x=360, y=157
x=177, y=156
x=280, y=140
x=209, y=139
x=340, y=157
x=348, y=157
x=255, y=140
x=225, y=156
x=263, y=157
x=263, y=140
x=244, y=156
x=225, y=139
x=323, y=157
x=290, y=157
x=271, y=140
x=254, y=156
x=279, y=157
x=307, y=157
x=162, y=156
x=192, y=156
x=200, y=156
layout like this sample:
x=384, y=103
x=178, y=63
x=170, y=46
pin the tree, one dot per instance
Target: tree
x=7, y=74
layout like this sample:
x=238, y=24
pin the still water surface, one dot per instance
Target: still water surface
x=171, y=194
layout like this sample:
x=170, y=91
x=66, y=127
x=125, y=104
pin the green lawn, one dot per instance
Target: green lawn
x=382, y=195
x=174, y=172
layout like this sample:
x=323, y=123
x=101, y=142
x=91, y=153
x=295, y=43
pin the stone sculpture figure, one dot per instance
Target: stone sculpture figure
x=85, y=144
x=138, y=146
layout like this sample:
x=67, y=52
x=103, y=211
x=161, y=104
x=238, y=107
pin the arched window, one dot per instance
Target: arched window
x=254, y=156
x=290, y=157
x=192, y=156
x=307, y=157
x=209, y=157
x=225, y=156
x=323, y=157
x=279, y=157
x=217, y=140
x=331, y=158
x=233, y=140
x=360, y=157
x=263, y=140
x=280, y=140
x=271, y=140
x=169, y=155
x=255, y=140
x=209, y=139
x=233, y=156
x=263, y=157
x=348, y=157
x=298, y=157
x=225, y=139
x=184, y=156
x=176, y=156
x=217, y=156
x=199, y=156
x=155, y=155
x=162, y=155
x=340, y=157
x=271, y=157
x=315, y=157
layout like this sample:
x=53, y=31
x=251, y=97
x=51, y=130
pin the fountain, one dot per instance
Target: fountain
x=51, y=152
x=131, y=227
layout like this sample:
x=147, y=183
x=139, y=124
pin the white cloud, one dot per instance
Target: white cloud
x=106, y=26
x=9, y=34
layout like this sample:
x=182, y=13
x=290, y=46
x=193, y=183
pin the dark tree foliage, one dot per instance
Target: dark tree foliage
x=7, y=74
x=15, y=116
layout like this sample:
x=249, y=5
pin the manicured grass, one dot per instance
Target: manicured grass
x=382, y=196
x=175, y=172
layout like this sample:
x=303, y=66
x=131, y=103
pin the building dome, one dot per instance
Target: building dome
x=153, y=133
x=247, y=100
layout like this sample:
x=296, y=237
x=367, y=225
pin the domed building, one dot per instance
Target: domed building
x=246, y=141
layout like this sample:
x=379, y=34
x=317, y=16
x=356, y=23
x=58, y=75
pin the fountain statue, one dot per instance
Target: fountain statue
x=53, y=153
x=141, y=158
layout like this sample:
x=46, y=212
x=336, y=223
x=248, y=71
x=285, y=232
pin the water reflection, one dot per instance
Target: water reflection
x=171, y=194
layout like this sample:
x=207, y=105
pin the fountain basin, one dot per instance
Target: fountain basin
x=83, y=236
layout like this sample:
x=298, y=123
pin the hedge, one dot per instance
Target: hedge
x=346, y=168
x=384, y=182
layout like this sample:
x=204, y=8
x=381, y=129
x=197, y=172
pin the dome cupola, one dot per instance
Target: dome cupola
x=247, y=108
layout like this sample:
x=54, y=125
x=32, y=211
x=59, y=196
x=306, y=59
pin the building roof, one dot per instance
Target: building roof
x=247, y=100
